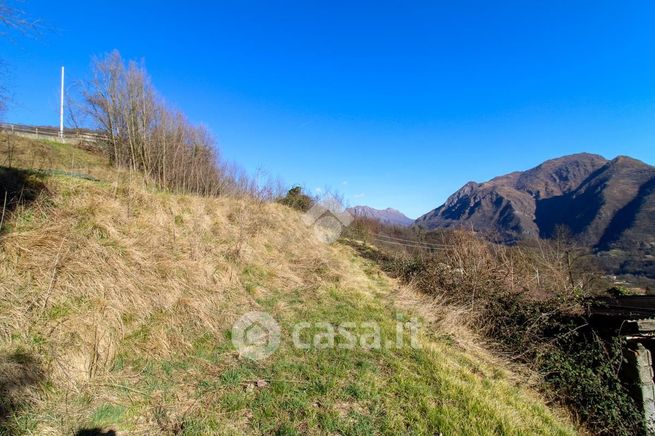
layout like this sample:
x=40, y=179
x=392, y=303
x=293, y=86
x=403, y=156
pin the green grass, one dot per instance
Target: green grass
x=388, y=391
x=432, y=390
x=46, y=154
x=107, y=414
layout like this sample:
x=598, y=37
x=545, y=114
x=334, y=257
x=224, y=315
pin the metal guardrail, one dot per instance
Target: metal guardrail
x=53, y=132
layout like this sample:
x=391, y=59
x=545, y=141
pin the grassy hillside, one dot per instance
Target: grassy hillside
x=116, y=305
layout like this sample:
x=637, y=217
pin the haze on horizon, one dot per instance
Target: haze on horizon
x=393, y=105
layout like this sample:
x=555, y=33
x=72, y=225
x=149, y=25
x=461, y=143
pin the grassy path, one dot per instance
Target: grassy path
x=431, y=390
x=116, y=309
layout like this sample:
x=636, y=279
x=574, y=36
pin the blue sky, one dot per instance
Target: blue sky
x=391, y=103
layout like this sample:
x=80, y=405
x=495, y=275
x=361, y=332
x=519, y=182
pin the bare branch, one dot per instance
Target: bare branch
x=13, y=19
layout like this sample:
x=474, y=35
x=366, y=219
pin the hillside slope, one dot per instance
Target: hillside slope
x=116, y=305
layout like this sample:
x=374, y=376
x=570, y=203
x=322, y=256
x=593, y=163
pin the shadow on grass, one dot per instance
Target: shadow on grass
x=17, y=187
x=94, y=432
x=20, y=373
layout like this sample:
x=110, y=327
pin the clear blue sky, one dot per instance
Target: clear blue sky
x=392, y=103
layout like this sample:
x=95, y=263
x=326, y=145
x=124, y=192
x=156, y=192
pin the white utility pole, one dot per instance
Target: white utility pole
x=61, y=107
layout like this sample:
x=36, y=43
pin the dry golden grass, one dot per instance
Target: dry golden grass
x=115, y=307
x=112, y=262
x=90, y=267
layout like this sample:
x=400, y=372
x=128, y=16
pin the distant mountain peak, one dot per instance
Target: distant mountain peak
x=387, y=216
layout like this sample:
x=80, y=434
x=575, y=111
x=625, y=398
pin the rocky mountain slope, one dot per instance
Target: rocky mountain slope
x=386, y=216
x=607, y=204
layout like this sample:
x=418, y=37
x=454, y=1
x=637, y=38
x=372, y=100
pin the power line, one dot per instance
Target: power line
x=407, y=240
x=414, y=242
x=418, y=247
x=425, y=247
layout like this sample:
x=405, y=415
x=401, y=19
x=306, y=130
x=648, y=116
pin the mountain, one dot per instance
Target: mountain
x=607, y=204
x=386, y=216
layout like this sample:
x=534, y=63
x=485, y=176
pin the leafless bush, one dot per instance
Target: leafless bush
x=146, y=135
x=469, y=268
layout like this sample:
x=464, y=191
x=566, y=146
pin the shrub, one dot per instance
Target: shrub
x=296, y=199
x=619, y=291
x=582, y=369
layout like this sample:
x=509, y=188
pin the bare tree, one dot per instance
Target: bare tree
x=148, y=136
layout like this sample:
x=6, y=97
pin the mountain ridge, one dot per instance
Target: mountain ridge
x=599, y=200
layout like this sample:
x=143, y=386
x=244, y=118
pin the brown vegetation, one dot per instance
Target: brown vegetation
x=527, y=301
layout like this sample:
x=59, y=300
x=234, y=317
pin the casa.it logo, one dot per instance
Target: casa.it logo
x=256, y=335
x=328, y=218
